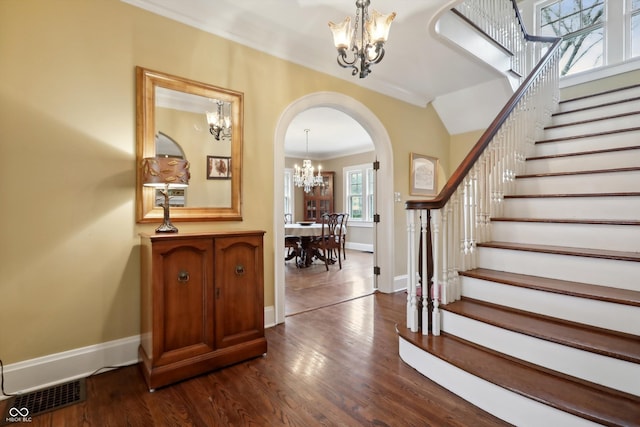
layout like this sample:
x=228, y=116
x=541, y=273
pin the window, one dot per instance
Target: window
x=359, y=192
x=288, y=191
x=581, y=25
x=595, y=33
x=634, y=12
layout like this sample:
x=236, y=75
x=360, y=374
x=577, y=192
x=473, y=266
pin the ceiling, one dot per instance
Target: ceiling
x=418, y=66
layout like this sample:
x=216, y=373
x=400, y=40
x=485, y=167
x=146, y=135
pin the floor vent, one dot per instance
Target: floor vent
x=24, y=406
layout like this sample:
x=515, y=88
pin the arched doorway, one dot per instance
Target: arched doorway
x=384, y=244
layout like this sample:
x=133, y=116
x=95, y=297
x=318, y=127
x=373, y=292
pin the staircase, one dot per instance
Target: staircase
x=547, y=330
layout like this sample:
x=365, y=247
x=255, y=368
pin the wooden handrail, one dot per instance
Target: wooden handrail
x=474, y=154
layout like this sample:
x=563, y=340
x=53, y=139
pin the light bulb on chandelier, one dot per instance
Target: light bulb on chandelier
x=303, y=176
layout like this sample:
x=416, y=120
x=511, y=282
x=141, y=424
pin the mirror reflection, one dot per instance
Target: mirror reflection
x=202, y=124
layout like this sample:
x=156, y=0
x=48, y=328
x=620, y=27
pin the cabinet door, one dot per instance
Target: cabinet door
x=239, y=290
x=183, y=300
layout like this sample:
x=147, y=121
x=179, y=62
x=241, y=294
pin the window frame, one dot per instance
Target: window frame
x=368, y=193
x=617, y=27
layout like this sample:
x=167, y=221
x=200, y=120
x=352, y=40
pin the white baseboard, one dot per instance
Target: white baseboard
x=23, y=377
x=33, y=374
x=400, y=283
x=364, y=247
x=269, y=316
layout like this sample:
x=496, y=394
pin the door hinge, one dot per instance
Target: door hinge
x=376, y=218
x=376, y=270
x=376, y=165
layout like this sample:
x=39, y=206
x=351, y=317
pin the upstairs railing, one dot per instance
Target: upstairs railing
x=443, y=232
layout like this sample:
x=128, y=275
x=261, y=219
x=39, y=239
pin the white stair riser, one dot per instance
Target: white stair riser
x=595, y=271
x=604, y=98
x=609, y=182
x=596, y=113
x=573, y=309
x=504, y=404
x=624, y=122
x=595, y=236
x=603, y=370
x=609, y=207
x=620, y=139
x=609, y=160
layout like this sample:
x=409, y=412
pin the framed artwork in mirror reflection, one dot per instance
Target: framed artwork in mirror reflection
x=218, y=167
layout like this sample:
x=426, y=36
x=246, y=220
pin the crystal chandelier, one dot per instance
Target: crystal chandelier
x=303, y=176
x=366, y=40
x=220, y=120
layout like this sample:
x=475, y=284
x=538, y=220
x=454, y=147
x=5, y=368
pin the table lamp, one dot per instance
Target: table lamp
x=165, y=173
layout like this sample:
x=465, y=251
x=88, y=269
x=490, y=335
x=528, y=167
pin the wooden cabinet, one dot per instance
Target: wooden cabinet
x=319, y=200
x=202, y=303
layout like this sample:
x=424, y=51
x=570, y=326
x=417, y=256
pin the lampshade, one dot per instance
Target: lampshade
x=165, y=171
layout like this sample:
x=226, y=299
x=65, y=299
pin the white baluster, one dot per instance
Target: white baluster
x=412, y=309
x=425, y=272
x=435, y=231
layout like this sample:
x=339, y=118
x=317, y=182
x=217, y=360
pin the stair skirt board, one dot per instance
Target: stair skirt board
x=500, y=402
x=612, y=237
x=594, y=271
x=596, y=368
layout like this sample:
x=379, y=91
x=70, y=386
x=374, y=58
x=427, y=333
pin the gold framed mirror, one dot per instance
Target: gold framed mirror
x=178, y=117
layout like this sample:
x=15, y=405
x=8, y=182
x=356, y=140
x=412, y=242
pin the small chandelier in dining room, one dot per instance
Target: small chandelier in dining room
x=366, y=39
x=303, y=176
x=220, y=120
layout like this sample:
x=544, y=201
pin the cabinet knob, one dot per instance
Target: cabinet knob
x=183, y=276
x=239, y=269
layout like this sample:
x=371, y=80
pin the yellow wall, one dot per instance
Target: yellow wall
x=69, y=242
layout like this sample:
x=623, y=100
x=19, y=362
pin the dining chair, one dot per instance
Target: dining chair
x=292, y=244
x=329, y=239
x=343, y=235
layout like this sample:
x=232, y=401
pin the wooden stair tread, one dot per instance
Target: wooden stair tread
x=597, y=119
x=583, y=399
x=565, y=250
x=594, y=107
x=604, y=92
x=585, y=153
x=565, y=287
x=587, y=135
x=572, y=334
x=571, y=221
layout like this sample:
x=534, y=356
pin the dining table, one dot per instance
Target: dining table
x=306, y=232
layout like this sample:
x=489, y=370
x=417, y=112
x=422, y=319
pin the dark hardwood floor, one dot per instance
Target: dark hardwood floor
x=314, y=287
x=331, y=366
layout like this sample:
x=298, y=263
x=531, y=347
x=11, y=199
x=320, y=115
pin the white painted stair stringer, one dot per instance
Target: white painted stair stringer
x=596, y=368
x=613, y=237
x=504, y=404
x=595, y=271
x=567, y=307
x=600, y=207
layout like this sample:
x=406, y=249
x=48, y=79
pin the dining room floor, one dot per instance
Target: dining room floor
x=314, y=287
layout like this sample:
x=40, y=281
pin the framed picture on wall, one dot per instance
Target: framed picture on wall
x=218, y=167
x=424, y=175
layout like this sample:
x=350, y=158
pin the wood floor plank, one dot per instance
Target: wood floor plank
x=333, y=366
